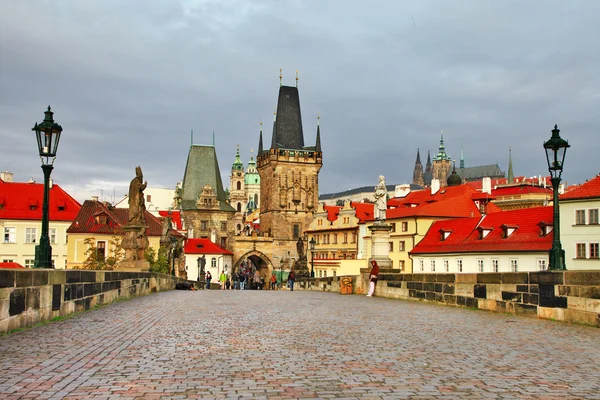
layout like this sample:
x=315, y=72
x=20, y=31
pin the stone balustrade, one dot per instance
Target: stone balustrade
x=569, y=296
x=30, y=296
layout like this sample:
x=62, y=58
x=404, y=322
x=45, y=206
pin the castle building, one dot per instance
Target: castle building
x=418, y=171
x=237, y=192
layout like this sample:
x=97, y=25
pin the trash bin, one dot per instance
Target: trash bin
x=346, y=285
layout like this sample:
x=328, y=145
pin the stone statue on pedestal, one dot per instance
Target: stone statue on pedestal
x=380, y=200
x=135, y=240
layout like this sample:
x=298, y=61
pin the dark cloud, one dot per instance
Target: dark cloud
x=128, y=81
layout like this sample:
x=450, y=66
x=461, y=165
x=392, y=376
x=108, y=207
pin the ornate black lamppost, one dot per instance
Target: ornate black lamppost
x=201, y=264
x=312, y=257
x=48, y=136
x=173, y=246
x=556, y=149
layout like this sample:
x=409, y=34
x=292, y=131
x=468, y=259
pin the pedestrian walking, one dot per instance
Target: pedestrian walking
x=273, y=281
x=373, y=277
x=242, y=281
x=291, y=279
x=257, y=280
x=208, y=278
x=222, y=280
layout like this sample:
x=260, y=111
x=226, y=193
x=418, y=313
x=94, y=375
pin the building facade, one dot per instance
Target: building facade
x=21, y=221
x=507, y=241
x=579, y=226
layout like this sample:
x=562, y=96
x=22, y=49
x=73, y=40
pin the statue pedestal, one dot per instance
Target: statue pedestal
x=133, y=266
x=380, y=244
x=135, y=242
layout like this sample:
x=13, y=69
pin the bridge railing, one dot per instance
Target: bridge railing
x=30, y=296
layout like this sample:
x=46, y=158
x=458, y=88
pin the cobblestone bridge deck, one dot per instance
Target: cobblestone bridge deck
x=254, y=344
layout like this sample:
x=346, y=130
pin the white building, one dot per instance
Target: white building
x=506, y=241
x=217, y=259
x=579, y=225
x=157, y=199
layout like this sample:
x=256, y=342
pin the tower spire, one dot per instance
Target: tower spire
x=318, y=142
x=511, y=176
x=280, y=77
x=274, y=138
x=296, y=78
x=260, y=142
x=462, y=159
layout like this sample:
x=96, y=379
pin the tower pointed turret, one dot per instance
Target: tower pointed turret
x=511, y=175
x=462, y=159
x=237, y=163
x=318, y=141
x=260, y=142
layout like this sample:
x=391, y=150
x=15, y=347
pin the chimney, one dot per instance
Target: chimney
x=94, y=198
x=486, y=185
x=31, y=180
x=402, y=190
x=435, y=186
x=6, y=176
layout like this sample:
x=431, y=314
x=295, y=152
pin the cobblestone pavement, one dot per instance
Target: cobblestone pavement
x=282, y=344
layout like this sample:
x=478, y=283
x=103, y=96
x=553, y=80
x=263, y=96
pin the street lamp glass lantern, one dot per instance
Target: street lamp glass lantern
x=556, y=150
x=312, y=243
x=48, y=136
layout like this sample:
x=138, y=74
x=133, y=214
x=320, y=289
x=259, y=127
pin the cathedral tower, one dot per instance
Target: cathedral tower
x=289, y=172
x=418, y=172
x=441, y=164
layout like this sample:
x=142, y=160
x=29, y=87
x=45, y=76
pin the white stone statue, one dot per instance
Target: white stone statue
x=380, y=200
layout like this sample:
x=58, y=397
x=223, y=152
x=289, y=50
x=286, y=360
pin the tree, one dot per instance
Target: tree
x=94, y=261
x=158, y=263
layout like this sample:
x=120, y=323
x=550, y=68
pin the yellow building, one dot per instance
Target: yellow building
x=335, y=231
x=21, y=221
x=103, y=224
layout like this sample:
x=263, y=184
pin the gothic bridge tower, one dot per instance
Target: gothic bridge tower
x=289, y=172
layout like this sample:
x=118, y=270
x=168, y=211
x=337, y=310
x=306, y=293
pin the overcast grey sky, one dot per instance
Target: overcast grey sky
x=128, y=80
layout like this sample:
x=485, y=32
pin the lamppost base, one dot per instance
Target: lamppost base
x=43, y=256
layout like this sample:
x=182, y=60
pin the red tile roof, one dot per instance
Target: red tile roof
x=116, y=218
x=364, y=211
x=332, y=212
x=464, y=236
x=175, y=217
x=450, y=201
x=10, y=265
x=587, y=190
x=24, y=201
x=204, y=246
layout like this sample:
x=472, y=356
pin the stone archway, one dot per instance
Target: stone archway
x=260, y=261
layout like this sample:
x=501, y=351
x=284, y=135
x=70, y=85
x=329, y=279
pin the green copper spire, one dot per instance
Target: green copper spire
x=462, y=159
x=237, y=164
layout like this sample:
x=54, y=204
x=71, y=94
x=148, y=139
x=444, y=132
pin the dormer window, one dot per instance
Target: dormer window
x=444, y=233
x=484, y=231
x=101, y=219
x=545, y=228
x=33, y=203
x=508, y=230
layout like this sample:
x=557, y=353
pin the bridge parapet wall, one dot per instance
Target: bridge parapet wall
x=30, y=296
x=569, y=296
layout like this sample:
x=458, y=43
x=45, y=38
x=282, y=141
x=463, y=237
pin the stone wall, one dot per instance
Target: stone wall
x=30, y=296
x=569, y=296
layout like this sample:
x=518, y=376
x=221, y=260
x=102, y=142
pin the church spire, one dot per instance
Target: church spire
x=462, y=159
x=428, y=165
x=318, y=142
x=237, y=164
x=260, y=143
x=511, y=176
x=418, y=171
x=274, y=137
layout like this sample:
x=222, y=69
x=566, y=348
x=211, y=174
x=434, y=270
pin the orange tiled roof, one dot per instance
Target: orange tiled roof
x=465, y=237
x=587, y=190
x=116, y=218
x=175, y=217
x=364, y=211
x=24, y=201
x=332, y=212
